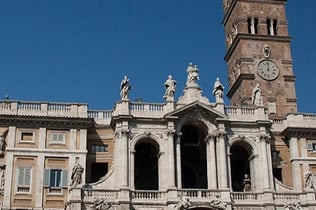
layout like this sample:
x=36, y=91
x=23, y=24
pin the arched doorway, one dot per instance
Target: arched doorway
x=146, y=165
x=240, y=166
x=193, y=155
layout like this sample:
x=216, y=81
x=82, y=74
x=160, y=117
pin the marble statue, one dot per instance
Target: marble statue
x=309, y=180
x=193, y=74
x=76, y=175
x=256, y=96
x=170, y=86
x=246, y=183
x=125, y=87
x=218, y=91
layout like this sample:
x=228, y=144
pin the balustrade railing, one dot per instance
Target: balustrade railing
x=146, y=107
x=92, y=193
x=43, y=108
x=199, y=193
x=245, y=113
x=148, y=195
x=286, y=196
x=245, y=196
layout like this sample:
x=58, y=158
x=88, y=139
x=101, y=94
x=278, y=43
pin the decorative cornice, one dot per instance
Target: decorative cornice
x=254, y=37
x=46, y=121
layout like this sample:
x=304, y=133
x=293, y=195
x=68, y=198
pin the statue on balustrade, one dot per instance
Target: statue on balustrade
x=246, y=183
x=256, y=96
x=218, y=91
x=170, y=86
x=193, y=74
x=309, y=180
x=125, y=87
x=76, y=175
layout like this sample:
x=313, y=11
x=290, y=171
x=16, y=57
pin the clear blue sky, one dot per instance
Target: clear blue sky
x=78, y=51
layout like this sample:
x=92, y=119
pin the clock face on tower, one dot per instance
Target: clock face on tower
x=268, y=70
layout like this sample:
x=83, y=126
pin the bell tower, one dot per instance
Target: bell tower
x=258, y=53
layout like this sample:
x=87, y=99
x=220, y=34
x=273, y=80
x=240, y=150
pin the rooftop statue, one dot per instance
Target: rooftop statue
x=218, y=91
x=170, y=86
x=125, y=87
x=193, y=74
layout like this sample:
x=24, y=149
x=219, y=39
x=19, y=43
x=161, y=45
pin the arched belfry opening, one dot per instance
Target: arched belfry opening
x=193, y=155
x=146, y=165
x=241, y=153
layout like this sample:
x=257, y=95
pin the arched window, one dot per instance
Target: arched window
x=193, y=156
x=146, y=165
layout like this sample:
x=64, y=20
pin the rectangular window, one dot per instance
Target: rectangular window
x=55, y=178
x=57, y=138
x=24, y=179
x=27, y=136
x=100, y=148
x=311, y=145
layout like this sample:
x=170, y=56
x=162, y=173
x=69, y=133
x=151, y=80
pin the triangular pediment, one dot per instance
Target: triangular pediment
x=207, y=111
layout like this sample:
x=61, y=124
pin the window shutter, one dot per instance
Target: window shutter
x=27, y=176
x=46, y=177
x=20, y=176
x=65, y=178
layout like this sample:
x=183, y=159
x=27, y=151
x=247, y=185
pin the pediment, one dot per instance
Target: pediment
x=207, y=111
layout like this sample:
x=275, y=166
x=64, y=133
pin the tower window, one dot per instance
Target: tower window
x=275, y=26
x=252, y=25
x=272, y=27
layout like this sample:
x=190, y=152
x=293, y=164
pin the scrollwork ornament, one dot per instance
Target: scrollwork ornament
x=216, y=203
x=295, y=205
x=184, y=203
x=170, y=132
x=100, y=204
x=264, y=137
x=210, y=137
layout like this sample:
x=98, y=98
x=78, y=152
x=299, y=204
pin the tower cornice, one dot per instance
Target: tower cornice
x=254, y=37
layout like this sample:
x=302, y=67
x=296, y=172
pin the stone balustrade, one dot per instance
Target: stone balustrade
x=246, y=113
x=300, y=120
x=43, y=109
x=199, y=195
x=90, y=194
x=101, y=116
x=148, y=195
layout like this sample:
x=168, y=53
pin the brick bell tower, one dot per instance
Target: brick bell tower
x=258, y=52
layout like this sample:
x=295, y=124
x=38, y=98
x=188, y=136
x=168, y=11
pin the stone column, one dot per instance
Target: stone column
x=132, y=170
x=296, y=173
x=179, y=178
x=222, y=159
x=211, y=162
x=171, y=169
x=123, y=163
x=264, y=138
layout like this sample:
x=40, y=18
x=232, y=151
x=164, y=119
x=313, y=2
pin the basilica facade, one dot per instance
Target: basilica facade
x=190, y=152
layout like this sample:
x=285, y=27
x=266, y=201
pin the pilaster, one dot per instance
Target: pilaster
x=222, y=158
x=296, y=173
x=211, y=161
x=178, y=158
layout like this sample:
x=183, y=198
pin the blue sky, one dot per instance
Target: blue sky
x=78, y=51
